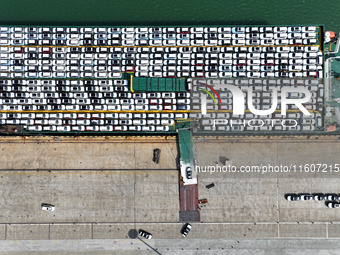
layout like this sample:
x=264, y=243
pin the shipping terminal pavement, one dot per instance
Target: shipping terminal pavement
x=109, y=187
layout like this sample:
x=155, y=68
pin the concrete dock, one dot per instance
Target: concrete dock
x=104, y=188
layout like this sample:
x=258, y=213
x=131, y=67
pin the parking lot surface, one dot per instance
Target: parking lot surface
x=86, y=196
x=260, y=196
x=119, y=191
x=83, y=153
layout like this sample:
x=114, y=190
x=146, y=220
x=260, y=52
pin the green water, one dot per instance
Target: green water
x=171, y=12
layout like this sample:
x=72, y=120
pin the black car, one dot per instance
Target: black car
x=87, y=42
x=18, y=62
x=284, y=74
x=182, y=95
x=32, y=56
x=89, y=50
x=102, y=42
x=306, y=197
x=186, y=229
x=283, y=67
x=46, y=36
x=156, y=155
x=145, y=234
x=212, y=36
x=130, y=62
x=319, y=197
x=75, y=50
x=115, y=62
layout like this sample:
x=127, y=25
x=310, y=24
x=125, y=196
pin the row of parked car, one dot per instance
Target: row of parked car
x=302, y=62
x=239, y=72
x=163, y=58
x=332, y=200
x=71, y=122
x=167, y=30
x=147, y=52
x=79, y=95
x=198, y=41
x=62, y=75
x=199, y=72
x=94, y=116
x=157, y=36
x=48, y=82
x=83, y=89
x=95, y=128
x=124, y=51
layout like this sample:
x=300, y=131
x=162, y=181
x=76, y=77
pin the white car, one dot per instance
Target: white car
x=63, y=128
x=148, y=128
x=162, y=128
x=47, y=207
x=333, y=205
x=253, y=74
x=135, y=128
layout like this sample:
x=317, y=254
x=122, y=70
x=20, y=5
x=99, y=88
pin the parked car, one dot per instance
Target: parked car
x=144, y=234
x=186, y=229
x=47, y=207
x=306, y=197
x=333, y=204
x=320, y=197
x=332, y=197
x=292, y=197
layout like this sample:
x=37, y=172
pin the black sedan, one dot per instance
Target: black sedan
x=186, y=229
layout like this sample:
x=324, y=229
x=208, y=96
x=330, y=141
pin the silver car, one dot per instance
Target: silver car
x=47, y=207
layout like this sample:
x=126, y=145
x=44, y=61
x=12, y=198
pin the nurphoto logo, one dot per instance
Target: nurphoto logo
x=239, y=100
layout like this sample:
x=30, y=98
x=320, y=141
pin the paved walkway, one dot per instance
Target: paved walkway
x=168, y=231
x=173, y=247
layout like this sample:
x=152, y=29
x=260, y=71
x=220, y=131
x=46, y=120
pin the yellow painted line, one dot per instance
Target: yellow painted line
x=164, y=111
x=179, y=121
x=131, y=82
x=320, y=35
x=246, y=111
x=158, y=46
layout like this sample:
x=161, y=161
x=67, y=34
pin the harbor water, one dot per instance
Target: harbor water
x=174, y=12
